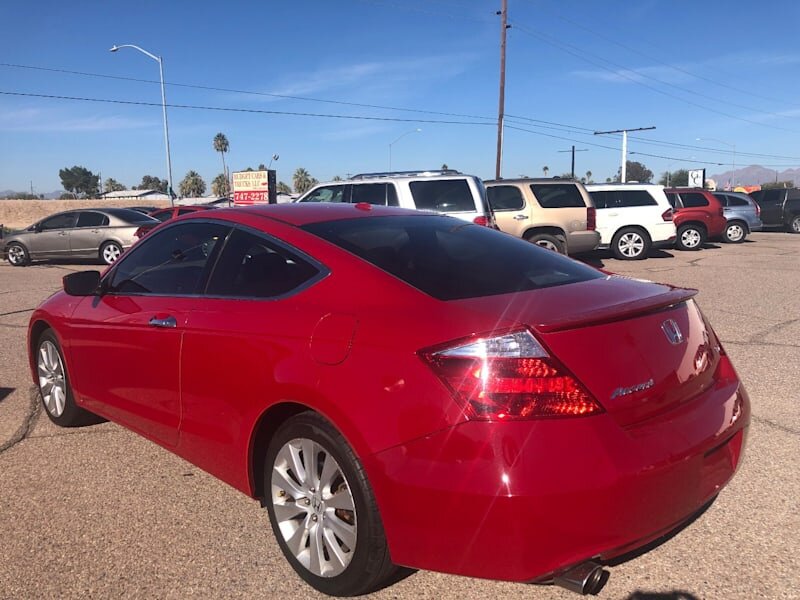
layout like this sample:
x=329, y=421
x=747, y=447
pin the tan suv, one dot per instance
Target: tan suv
x=555, y=213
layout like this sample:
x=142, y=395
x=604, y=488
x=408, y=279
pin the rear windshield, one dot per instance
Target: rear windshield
x=558, y=195
x=443, y=195
x=129, y=215
x=450, y=259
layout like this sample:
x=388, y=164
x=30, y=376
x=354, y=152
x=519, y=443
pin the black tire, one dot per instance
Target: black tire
x=548, y=241
x=370, y=567
x=71, y=415
x=17, y=254
x=631, y=243
x=735, y=232
x=110, y=252
x=794, y=224
x=690, y=237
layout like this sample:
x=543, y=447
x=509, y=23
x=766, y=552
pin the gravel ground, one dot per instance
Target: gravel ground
x=99, y=512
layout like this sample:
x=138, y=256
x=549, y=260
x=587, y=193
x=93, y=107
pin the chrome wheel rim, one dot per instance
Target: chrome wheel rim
x=796, y=225
x=16, y=255
x=735, y=232
x=690, y=238
x=547, y=244
x=52, y=382
x=314, y=507
x=631, y=245
x=111, y=253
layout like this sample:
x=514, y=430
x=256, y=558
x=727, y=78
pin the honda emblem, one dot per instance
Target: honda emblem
x=672, y=331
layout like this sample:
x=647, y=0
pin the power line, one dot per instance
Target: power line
x=242, y=110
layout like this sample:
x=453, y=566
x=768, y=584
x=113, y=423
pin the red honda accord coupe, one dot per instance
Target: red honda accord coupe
x=404, y=389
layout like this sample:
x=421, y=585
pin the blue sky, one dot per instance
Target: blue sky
x=715, y=69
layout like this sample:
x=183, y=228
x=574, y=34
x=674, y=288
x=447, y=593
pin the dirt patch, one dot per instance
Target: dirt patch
x=16, y=214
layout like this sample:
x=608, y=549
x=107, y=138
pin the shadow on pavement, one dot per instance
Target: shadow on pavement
x=5, y=392
x=673, y=595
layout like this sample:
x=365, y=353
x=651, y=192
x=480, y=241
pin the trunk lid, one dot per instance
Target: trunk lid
x=640, y=348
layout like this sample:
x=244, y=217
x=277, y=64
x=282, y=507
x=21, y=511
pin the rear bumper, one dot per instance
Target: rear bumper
x=582, y=241
x=522, y=501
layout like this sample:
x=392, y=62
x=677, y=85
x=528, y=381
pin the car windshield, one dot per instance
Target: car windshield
x=449, y=259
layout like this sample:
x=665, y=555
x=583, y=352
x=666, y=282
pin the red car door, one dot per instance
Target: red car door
x=126, y=344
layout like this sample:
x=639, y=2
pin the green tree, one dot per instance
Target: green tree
x=153, y=183
x=674, y=178
x=445, y=167
x=302, y=180
x=221, y=145
x=80, y=180
x=635, y=171
x=262, y=167
x=219, y=185
x=192, y=185
x=777, y=184
x=588, y=177
x=336, y=178
x=112, y=185
x=283, y=188
x=545, y=170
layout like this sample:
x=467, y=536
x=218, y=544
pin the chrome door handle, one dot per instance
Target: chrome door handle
x=62, y=233
x=520, y=217
x=166, y=322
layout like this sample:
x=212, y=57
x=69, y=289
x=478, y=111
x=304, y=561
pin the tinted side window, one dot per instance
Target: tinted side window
x=172, y=262
x=251, y=266
x=725, y=200
x=734, y=201
x=674, y=201
x=693, y=199
x=505, y=197
x=562, y=195
x=330, y=193
x=772, y=196
x=450, y=259
x=628, y=198
x=184, y=211
x=445, y=195
x=382, y=194
x=163, y=216
x=602, y=199
x=92, y=219
x=62, y=221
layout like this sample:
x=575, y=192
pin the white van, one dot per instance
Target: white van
x=632, y=218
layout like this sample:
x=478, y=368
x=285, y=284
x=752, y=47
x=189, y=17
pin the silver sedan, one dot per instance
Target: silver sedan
x=101, y=233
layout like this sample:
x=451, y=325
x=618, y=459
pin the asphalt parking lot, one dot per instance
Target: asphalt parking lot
x=99, y=512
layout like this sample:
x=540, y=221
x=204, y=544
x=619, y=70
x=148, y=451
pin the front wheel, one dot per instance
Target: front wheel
x=735, y=233
x=110, y=252
x=690, y=237
x=630, y=243
x=17, y=254
x=322, y=509
x=794, y=224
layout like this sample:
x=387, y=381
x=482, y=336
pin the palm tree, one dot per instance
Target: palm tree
x=588, y=177
x=302, y=180
x=221, y=145
x=192, y=185
x=219, y=185
x=545, y=170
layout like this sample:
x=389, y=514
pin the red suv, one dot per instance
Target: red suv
x=698, y=216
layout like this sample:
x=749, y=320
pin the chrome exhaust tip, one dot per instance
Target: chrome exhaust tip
x=585, y=578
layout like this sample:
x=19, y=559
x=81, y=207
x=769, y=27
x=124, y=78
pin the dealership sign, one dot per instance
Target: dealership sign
x=697, y=178
x=254, y=187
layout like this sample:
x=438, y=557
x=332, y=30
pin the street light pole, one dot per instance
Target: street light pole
x=624, y=166
x=397, y=140
x=160, y=62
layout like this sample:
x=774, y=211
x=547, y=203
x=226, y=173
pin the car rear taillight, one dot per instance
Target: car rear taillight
x=758, y=209
x=482, y=220
x=509, y=377
x=667, y=215
x=591, y=218
x=139, y=233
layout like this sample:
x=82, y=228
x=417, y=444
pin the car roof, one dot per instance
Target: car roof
x=531, y=180
x=625, y=186
x=303, y=213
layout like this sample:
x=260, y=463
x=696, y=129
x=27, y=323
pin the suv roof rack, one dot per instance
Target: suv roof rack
x=430, y=173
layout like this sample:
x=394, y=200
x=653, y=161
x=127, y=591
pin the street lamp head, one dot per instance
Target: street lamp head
x=113, y=48
x=275, y=157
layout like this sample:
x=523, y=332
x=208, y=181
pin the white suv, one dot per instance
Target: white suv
x=632, y=218
x=447, y=191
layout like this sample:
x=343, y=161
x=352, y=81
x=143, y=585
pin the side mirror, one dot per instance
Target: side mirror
x=82, y=283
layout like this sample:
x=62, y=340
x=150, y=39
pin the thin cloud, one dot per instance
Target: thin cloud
x=43, y=121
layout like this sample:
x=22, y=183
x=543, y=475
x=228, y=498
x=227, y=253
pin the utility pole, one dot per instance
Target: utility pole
x=503, y=12
x=624, y=132
x=573, y=158
x=31, y=187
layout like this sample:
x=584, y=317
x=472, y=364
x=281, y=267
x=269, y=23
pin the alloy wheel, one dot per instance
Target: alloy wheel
x=631, y=244
x=691, y=238
x=735, y=232
x=796, y=224
x=314, y=507
x=52, y=382
x=16, y=254
x=547, y=244
x=111, y=253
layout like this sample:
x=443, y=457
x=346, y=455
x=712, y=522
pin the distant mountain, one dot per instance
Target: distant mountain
x=755, y=175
